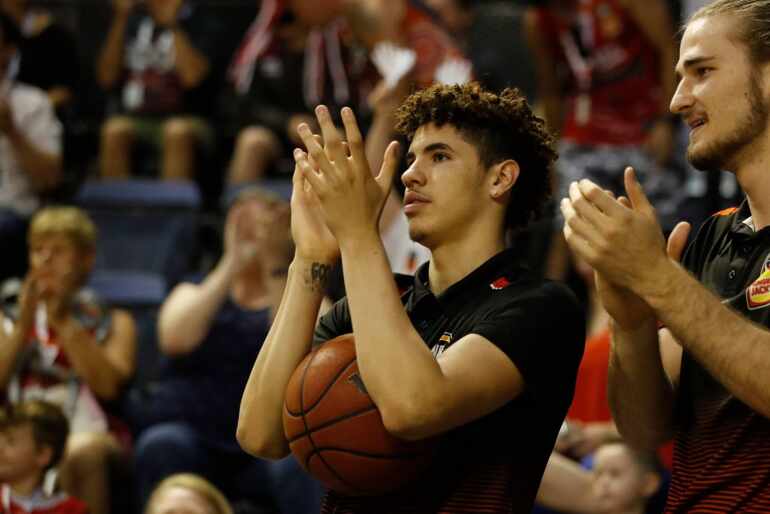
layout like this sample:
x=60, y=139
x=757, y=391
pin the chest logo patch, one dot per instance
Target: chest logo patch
x=443, y=343
x=500, y=283
x=758, y=293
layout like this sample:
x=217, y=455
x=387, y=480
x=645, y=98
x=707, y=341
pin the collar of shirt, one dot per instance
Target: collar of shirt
x=504, y=264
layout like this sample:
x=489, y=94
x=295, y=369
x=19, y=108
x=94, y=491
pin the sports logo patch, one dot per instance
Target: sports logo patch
x=500, y=283
x=443, y=343
x=758, y=293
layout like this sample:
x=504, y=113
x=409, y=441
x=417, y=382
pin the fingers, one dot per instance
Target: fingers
x=332, y=139
x=677, y=241
x=354, y=139
x=599, y=197
x=315, y=150
x=308, y=173
x=389, y=167
x=577, y=230
x=635, y=192
x=584, y=208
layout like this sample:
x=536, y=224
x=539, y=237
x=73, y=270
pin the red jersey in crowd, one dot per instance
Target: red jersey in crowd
x=40, y=503
x=614, y=81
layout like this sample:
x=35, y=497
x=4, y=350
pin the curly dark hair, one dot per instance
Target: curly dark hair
x=501, y=126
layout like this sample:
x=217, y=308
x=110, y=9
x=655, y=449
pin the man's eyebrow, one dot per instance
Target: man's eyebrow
x=430, y=148
x=693, y=62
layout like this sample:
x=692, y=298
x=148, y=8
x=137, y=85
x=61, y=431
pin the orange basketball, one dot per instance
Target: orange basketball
x=336, y=432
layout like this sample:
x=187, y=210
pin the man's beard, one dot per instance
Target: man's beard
x=718, y=154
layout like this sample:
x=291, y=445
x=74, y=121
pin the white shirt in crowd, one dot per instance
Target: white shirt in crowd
x=35, y=118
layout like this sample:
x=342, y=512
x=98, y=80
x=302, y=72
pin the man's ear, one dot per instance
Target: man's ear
x=651, y=483
x=504, y=175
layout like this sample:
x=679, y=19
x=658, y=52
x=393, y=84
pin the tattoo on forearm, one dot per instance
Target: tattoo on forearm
x=318, y=278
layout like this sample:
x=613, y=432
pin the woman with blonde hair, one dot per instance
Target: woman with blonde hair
x=186, y=493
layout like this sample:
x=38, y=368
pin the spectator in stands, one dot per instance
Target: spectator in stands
x=212, y=331
x=158, y=60
x=61, y=345
x=30, y=151
x=490, y=35
x=48, y=54
x=605, y=77
x=281, y=71
x=33, y=435
x=189, y=494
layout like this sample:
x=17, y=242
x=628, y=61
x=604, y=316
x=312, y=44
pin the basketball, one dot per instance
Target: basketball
x=336, y=432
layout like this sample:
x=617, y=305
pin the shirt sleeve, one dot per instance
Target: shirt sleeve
x=35, y=117
x=543, y=334
x=334, y=323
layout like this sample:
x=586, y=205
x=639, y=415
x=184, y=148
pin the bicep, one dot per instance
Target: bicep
x=479, y=378
x=670, y=356
x=120, y=346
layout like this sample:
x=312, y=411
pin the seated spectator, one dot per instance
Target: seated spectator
x=281, y=71
x=158, y=61
x=490, y=35
x=48, y=56
x=622, y=481
x=212, y=331
x=57, y=343
x=30, y=151
x=33, y=435
x=189, y=494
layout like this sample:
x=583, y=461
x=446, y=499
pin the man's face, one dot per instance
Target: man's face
x=57, y=263
x=618, y=481
x=445, y=185
x=721, y=95
x=20, y=456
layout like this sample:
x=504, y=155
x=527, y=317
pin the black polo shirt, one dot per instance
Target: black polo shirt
x=493, y=464
x=722, y=446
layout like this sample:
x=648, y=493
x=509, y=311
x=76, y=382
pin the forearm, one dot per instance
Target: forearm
x=43, y=168
x=110, y=63
x=260, y=421
x=398, y=368
x=10, y=349
x=185, y=318
x=191, y=64
x=640, y=394
x=92, y=365
x=734, y=350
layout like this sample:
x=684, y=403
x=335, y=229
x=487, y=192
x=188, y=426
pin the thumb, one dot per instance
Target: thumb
x=389, y=166
x=677, y=241
x=635, y=192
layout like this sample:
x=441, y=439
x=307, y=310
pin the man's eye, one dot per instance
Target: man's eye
x=438, y=157
x=702, y=72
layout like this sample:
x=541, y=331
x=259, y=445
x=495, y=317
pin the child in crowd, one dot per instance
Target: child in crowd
x=624, y=480
x=33, y=435
x=186, y=493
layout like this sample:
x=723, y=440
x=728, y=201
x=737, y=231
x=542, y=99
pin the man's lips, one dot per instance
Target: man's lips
x=413, y=200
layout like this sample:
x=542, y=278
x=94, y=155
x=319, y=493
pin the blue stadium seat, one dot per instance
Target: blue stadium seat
x=144, y=225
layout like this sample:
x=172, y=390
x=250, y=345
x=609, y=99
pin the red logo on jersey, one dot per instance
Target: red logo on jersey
x=758, y=293
x=500, y=283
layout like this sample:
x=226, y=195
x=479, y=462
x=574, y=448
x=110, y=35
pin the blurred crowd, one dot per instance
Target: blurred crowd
x=145, y=177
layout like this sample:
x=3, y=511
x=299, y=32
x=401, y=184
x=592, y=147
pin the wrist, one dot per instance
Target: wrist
x=359, y=241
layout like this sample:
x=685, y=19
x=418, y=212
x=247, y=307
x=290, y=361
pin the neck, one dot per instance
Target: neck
x=25, y=486
x=751, y=173
x=248, y=289
x=453, y=261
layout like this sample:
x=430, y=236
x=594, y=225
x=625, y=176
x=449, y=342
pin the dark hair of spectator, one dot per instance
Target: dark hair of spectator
x=501, y=126
x=49, y=424
x=9, y=32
